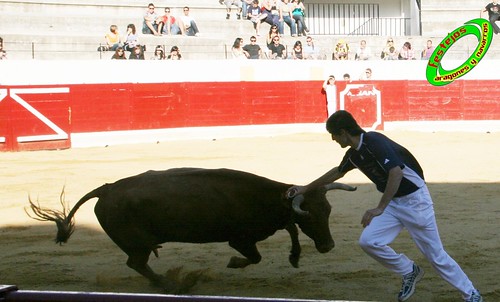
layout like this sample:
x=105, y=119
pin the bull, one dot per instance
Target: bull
x=196, y=205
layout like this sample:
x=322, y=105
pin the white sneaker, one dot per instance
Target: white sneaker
x=409, y=282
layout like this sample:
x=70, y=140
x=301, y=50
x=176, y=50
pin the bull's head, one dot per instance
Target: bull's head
x=313, y=212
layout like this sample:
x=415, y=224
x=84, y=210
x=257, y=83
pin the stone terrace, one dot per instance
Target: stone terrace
x=73, y=29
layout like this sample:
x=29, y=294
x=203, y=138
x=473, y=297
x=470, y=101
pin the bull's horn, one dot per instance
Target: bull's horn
x=339, y=186
x=297, y=201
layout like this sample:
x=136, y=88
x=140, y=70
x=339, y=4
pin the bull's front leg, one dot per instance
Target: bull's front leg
x=247, y=249
x=295, y=251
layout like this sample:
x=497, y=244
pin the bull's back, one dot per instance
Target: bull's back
x=196, y=205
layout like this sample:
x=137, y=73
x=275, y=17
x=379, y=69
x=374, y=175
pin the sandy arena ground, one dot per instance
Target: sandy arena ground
x=461, y=170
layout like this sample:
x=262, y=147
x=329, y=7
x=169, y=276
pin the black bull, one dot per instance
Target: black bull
x=200, y=205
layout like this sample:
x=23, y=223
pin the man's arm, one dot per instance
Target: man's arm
x=325, y=179
x=393, y=182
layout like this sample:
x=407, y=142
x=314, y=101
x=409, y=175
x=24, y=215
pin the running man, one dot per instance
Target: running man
x=405, y=203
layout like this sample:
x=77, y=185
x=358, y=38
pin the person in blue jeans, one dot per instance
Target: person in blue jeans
x=298, y=14
x=285, y=16
x=405, y=203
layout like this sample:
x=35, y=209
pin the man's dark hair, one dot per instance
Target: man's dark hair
x=343, y=120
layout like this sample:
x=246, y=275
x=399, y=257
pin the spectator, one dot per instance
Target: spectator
x=297, y=53
x=236, y=3
x=113, y=39
x=367, y=75
x=298, y=14
x=273, y=32
x=270, y=8
x=131, y=39
x=406, y=52
x=285, y=16
x=191, y=29
x=347, y=77
x=152, y=22
x=331, y=94
x=3, y=53
x=119, y=54
x=363, y=52
x=170, y=24
x=392, y=55
x=428, y=50
x=246, y=4
x=137, y=53
x=386, y=51
x=256, y=16
x=175, y=53
x=237, y=49
x=341, y=51
x=311, y=52
x=493, y=10
x=159, y=53
x=278, y=51
x=253, y=50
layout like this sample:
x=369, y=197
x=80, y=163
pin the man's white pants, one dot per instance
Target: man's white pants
x=415, y=212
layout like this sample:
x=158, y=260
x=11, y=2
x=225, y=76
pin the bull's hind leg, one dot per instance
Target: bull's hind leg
x=247, y=249
x=138, y=261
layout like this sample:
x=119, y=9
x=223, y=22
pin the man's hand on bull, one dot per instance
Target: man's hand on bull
x=295, y=190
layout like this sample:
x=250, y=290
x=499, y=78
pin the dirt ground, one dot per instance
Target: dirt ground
x=461, y=170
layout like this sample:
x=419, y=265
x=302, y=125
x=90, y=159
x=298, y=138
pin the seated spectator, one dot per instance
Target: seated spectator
x=285, y=14
x=236, y=3
x=237, y=49
x=311, y=52
x=363, y=52
x=392, y=55
x=246, y=4
x=175, y=54
x=270, y=8
x=170, y=24
x=152, y=22
x=137, y=53
x=298, y=13
x=191, y=29
x=406, y=53
x=273, y=32
x=159, y=53
x=347, y=77
x=386, y=50
x=277, y=50
x=297, y=53
x=253, y=50
x=113, y=39
x=256, y=16
x=366, y=76
x=3, y=53
x=131, y=39
x=119, y=54
x=428, y=50
x=493, y=10
x=341, y=51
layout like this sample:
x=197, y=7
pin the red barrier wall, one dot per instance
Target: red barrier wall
x=43, y=117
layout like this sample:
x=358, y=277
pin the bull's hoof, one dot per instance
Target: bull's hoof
x=237, y=262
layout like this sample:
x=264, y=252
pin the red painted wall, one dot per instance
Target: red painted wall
x=139, y=106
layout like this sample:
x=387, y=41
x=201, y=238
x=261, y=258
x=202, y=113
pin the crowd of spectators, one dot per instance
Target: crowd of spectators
x=3, y=53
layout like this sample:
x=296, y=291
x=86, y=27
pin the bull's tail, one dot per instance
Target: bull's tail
x=64, y=220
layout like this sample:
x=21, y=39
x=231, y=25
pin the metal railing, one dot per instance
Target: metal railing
x=352, y=19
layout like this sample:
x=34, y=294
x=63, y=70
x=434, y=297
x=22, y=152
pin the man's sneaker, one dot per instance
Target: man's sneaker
x=228, y=16
x=409, y=282
x=238, y=16
x=475, y=297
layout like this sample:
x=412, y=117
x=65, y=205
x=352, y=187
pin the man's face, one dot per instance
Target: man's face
x=340, y=138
